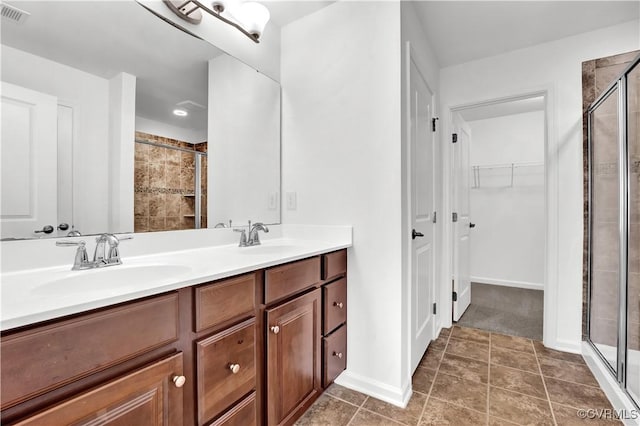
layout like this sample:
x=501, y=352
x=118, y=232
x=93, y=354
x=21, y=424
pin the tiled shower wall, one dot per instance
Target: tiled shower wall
x=596, y=77
x=165, y=185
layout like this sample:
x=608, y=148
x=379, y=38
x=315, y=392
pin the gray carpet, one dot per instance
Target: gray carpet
x=508, y=310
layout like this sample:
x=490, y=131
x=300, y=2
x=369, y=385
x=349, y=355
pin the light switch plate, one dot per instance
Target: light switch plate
x=292, y=202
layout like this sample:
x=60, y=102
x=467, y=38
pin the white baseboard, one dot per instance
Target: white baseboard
x=507, y=283
x=619, y=400
x=572, y=346
x=382, y=391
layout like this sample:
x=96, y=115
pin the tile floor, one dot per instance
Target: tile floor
x=508, y=310
x=474, y=377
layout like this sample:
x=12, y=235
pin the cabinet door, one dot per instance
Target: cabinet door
x=293, y=356
x=147, y=396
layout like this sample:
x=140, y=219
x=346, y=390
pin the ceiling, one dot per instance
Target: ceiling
x=462, y=31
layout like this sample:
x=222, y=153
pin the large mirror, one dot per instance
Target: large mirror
x=115, y=121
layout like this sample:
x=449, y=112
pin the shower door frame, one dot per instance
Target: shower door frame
x=619, y=84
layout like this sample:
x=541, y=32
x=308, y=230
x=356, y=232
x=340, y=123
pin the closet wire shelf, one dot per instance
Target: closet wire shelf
x=504, y=172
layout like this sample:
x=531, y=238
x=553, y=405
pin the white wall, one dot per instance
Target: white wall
x=556, y=68
x=146, y=125
x=507, y=244
x=243, y=160
x=122, y=115
x=88, y=95
x=341, y=154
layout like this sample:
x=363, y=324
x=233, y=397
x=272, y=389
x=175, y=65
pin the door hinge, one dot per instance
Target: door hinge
x=435, y=308
x=454, y=138
x=454, y=217
x=435, y=217
x=433, y=123
x=455, y=296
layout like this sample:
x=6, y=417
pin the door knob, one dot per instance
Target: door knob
x=415, y=234
x=275, y=329
x=234, y=368
x=472, y=225
x=63, y=226
x=179, y=381
x=47, y=229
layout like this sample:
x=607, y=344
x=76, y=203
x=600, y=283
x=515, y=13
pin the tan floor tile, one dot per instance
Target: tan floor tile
x=440, y=342
x=512, y=342
x=574, y=395
x=494, y=421
x=442, y=413
x=328, y=411
x=567, y=416
x=468, y=349
x=541, y=350
x=518, y=408
x=422, y=379
x=465, y=393
x=517, y=381
x=369, y=418
x=409, y=415
x=473, y=334
x=465, y=368
x=431, y=359
x=346, y=394
x=564, y=370
x=514, y=359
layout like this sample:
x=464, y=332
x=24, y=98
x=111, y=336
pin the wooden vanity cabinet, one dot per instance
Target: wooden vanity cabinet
x=293, y=357
x=150, y=396
x=254, y=349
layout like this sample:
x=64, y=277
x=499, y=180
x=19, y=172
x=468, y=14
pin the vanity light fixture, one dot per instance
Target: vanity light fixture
x=248, y=17
x=180, y=112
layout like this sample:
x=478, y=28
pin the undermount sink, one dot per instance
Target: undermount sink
x=109, y=280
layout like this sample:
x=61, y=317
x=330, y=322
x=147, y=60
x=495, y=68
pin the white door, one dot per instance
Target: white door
x=29, y=162
x=461, y=219
x=421, y=157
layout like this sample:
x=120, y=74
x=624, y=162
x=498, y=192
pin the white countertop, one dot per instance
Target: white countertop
x=42, y=293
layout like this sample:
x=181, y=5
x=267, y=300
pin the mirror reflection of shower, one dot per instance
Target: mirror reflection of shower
x=170, y=184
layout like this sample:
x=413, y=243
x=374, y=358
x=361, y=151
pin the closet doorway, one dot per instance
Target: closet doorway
x=506, y=175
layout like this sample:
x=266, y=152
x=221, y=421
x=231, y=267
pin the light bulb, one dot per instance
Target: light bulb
x=253, y=17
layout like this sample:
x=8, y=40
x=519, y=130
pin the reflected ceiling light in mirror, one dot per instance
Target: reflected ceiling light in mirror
x=250, y=18
x=180, y=112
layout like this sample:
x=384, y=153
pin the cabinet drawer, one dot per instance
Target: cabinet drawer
x=145, y=397
x=285, y=280
x=45, y=358
x=334, y=349
x=243, y=414
x=334, y=264
x=219, y=386
x=224, y=300
x=334, y=300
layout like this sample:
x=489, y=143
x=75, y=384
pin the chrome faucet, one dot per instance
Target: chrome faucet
x=253, y=239
x=106, y=253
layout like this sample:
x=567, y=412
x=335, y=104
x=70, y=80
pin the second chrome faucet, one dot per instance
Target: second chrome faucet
x=253, y=239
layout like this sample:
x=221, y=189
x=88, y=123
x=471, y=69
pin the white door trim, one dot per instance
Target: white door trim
x=550, y=330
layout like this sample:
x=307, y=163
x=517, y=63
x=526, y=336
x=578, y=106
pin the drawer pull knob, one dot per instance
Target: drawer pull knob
x=338, y=304
x=275, y=329
x=338, y=354
x=179, y=381
x=234, y=368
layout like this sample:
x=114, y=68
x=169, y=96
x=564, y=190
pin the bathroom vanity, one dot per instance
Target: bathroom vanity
x=256, y=347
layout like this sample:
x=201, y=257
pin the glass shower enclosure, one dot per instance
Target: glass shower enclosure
x=614, y=229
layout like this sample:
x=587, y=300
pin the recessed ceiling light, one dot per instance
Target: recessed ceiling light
x=180, y=112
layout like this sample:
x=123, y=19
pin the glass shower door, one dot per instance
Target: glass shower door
x=605, y=229
x=633, y=271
